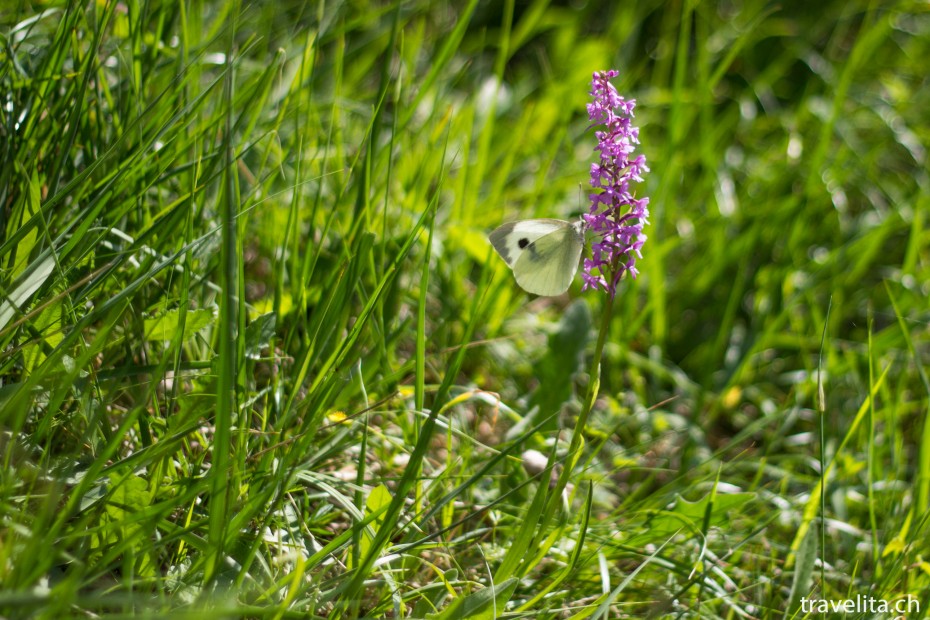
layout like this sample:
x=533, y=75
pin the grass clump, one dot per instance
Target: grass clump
x=258, y=359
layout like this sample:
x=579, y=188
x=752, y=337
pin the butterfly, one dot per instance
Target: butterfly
x=543, y=254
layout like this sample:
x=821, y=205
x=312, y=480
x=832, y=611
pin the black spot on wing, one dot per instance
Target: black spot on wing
x=523, y=243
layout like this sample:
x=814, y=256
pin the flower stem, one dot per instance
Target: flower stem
x=594, y=384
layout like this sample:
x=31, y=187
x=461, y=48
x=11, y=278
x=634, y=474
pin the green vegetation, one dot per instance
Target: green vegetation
x=258, y=359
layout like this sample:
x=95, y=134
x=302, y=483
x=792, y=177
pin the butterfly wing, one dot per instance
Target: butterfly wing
x=547, y=265
x=511, y=239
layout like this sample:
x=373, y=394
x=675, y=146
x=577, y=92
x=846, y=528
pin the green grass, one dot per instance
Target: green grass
x=257, y=358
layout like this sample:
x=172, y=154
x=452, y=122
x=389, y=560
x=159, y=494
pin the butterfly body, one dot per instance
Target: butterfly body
x=543, y=253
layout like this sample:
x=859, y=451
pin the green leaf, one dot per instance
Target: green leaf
x=377, y=502
x=690, y=515
x=485, y=603
x=379, y=499
x=258, y=334
x=120, y=523
x=163, y=328
x=28, y=283
x=46, y=324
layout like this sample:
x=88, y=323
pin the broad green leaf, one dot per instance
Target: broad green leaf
x=119, y=521
x=165, y=327
x=690, y=515
x=258, y=334
x=377, y=502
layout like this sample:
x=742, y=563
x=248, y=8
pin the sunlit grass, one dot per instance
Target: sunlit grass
x=258, y=358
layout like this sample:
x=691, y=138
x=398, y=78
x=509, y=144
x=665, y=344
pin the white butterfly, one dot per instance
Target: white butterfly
x=543, y=254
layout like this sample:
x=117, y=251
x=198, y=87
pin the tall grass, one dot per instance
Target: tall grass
x=258, y=358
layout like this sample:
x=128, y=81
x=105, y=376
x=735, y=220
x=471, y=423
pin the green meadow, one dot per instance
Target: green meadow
x=258, y=358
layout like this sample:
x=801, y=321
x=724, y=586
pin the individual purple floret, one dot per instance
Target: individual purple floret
x=616, y=216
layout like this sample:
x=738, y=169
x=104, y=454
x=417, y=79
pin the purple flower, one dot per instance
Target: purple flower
x=616, y=216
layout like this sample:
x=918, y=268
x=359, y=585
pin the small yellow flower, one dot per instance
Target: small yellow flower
x=732, y=397
x=337, y=417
